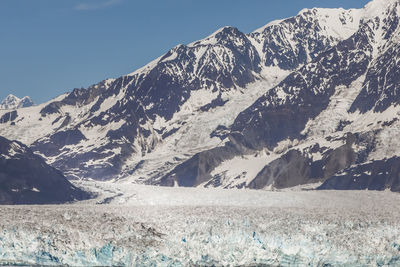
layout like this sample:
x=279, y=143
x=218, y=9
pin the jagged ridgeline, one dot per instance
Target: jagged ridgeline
x=309, y=99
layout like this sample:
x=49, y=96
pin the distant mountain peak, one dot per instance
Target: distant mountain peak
x=13, y=102
x=377, y=7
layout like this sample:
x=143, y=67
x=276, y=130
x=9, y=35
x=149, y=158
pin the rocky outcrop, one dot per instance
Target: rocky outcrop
x=298, y=168
x=290, y=170
x=25, y=178
x=356, y=76
x=9, y=117
x=376, y=175
x=197, y=170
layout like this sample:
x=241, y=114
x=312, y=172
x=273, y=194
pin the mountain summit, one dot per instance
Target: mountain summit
x=13, y=102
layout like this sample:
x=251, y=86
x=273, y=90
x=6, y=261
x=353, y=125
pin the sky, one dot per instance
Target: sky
x=49, y=47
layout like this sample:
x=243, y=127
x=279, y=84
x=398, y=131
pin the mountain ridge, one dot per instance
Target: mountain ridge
x=281, y=78
x=290, y=126
x=210, y=69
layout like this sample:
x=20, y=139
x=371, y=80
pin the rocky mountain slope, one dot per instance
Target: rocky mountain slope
x=307, y=99
x=13, y=102
x=183, y=101
x=332, y=120
x=26, y=179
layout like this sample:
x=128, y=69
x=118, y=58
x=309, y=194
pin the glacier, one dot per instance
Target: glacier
x=154, y=226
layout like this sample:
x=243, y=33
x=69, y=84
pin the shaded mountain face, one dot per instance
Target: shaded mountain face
x=377, y=175
x=13, y=102
x=309, y=96
x=25, y=178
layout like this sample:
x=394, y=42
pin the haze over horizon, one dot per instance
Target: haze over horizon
x=55, y=46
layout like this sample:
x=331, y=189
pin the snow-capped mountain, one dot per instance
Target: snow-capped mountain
x=26, y=179
x=332, y=120
x=296, y=101
x=123, y=124
x=13, y=102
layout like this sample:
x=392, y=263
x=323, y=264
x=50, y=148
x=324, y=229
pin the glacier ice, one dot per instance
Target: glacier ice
x=241, y=228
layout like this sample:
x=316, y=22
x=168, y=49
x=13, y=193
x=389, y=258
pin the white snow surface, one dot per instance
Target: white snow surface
x=376, y=8
x=12, y=102
x=330, y=20
x=155, y=226
x=28, y=126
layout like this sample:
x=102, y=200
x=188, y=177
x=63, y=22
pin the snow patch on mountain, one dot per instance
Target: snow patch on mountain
x=30, y=125
x=327, y=121
x=241, y=170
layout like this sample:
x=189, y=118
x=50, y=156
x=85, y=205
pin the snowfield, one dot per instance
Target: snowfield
x=155, y=226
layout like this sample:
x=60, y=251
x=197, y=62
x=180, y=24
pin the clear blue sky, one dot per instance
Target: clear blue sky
x=48, y=47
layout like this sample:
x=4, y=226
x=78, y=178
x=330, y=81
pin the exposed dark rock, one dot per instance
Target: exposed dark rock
x=51, y=108
x=9, y=116
x=197, y=170
x=378, y=94
x=169, y=133
x=376, y=175
x=342, y=124
x=305, y=92
x=340, y=158
x=290, y=170
x=65, y=122
x=26, y=179
x=218, y=102
x=381, y=87
x=51, y=146
x=295, y=168
x=307, y=40
x=221, y=132
x=389, y=123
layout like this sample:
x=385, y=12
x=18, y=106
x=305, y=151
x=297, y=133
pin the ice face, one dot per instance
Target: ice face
x=241, y=228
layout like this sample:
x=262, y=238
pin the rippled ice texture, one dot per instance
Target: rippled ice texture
x=232, y=228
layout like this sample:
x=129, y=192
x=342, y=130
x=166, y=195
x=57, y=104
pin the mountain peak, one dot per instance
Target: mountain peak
x=378, y=8
x=225, y=29
x=11, y=97
x=334, y=22
x=14, y=102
